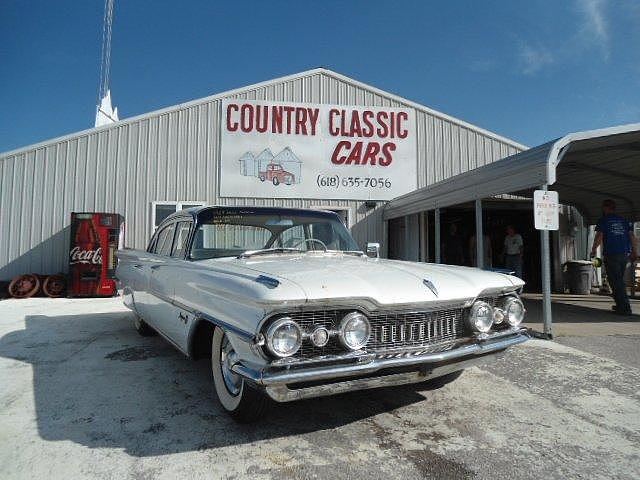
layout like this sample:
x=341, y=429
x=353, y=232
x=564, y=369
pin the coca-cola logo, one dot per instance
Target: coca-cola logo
x=85, y=256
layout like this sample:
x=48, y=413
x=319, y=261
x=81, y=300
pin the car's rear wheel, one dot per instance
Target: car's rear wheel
x=275, y=181
x=142, y=327
x=240, y=399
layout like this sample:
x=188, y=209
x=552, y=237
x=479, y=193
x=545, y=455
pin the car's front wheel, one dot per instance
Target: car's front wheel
x=240, y=399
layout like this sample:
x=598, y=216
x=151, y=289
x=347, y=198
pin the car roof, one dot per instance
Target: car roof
x=195, y=212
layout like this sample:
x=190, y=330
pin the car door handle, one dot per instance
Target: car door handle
x=155, y=267
x=137, y=265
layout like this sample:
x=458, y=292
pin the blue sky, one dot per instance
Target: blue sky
x=529, y=70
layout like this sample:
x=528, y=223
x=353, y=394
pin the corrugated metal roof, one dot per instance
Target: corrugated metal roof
x=260, y=86
x=584, y=167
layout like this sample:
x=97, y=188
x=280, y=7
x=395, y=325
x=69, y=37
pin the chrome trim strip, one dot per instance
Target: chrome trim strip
x=366, y=364
x=227, y=327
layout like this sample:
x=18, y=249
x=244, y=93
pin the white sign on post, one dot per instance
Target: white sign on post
x=546, y=210
x=301, y=150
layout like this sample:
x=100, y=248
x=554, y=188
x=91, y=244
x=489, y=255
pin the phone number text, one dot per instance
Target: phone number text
x=336, y=181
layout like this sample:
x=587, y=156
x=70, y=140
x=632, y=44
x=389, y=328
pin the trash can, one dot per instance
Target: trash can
x=579, y=276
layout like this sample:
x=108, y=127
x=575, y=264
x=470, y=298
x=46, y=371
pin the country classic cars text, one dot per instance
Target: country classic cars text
x=374, y=134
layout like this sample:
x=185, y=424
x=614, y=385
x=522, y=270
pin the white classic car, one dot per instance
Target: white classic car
x=285, y=304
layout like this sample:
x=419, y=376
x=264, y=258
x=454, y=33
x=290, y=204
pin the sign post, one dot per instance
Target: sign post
x=546, y=217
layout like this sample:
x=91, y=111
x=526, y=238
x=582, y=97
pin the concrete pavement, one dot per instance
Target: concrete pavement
x=83, y=396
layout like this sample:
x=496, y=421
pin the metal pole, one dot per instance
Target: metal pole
x=385, y=239
x=422, y=254
x=407, y=239
x=437, y=235
x=479, y=236
x=546, y=280
x=426, y=237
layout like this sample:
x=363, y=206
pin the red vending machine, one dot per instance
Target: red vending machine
x=95, y=237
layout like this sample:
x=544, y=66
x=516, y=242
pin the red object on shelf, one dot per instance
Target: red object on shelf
x=95, y=237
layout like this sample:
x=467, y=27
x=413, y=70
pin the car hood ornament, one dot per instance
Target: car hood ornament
x=429, y=284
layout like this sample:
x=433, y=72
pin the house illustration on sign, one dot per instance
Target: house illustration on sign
x=285, y=167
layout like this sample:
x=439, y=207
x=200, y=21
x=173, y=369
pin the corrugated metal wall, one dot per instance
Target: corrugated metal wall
x=173, y=155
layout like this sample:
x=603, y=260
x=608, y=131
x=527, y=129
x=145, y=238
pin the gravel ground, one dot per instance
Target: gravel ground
x=83, y=396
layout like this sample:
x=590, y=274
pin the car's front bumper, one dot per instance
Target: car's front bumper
x=364, y=371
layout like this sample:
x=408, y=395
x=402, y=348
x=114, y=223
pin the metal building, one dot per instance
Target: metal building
x=147, y=166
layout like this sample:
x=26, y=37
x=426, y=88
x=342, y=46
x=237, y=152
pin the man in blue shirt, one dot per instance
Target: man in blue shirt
x=615, y=234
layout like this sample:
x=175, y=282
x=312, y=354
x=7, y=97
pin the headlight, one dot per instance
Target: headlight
x=284, y=337
x=481, y=317
x=354, y=331
x=513, y=311
x=319, y=337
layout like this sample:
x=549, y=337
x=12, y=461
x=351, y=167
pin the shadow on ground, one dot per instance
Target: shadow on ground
x=591, y=309
x=99, y=384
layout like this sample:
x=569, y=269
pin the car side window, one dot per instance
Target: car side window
x=182, y=238
x=165, y=240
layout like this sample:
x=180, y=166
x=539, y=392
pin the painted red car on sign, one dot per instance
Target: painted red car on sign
x=277, y=175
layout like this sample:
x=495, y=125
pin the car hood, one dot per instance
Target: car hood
x=338, y=276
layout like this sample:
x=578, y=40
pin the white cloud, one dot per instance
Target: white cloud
x=590, y=33
x=595, y=27
x=533, y=60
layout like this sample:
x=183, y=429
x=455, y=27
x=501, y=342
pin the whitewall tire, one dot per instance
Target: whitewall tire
x=240, y=399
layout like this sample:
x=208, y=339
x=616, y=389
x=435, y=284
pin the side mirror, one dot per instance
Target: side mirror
x=373, y=250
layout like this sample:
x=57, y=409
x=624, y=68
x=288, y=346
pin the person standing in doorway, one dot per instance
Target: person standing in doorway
x=513, y=251
x=615, y=234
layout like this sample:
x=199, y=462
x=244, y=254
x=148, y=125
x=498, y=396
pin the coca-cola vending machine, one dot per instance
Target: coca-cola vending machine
x=95, y=237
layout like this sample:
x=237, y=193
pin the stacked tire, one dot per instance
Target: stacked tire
x=31, y=284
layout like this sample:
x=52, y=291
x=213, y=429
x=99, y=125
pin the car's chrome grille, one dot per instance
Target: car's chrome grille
x=389, y=330
x=415, y=329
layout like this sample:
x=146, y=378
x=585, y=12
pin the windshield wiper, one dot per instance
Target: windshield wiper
x=267, y=251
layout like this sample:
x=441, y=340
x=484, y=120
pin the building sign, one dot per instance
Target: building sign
x=298, y=150
x=546, y=210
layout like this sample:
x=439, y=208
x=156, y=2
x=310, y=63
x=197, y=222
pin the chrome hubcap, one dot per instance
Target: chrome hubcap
x=232, y=381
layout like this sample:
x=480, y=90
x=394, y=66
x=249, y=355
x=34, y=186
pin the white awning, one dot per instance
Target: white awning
x=584, y=167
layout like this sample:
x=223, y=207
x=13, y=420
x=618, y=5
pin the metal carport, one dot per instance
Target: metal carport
x=583, y=167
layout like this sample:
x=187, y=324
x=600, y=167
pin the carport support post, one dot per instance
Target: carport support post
x=479, y=236
x=546, y=280
x=436, y=239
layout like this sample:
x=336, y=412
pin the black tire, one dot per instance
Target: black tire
x=142, y=327
x=261, y=177
x=439, y=382
x=275, y=181
x=243, y=402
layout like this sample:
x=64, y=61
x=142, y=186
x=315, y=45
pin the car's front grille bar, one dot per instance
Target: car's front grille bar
x=389, y=330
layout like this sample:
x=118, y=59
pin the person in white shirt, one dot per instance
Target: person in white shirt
x=513, y=249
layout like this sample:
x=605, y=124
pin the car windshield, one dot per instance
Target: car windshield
x=228, y=233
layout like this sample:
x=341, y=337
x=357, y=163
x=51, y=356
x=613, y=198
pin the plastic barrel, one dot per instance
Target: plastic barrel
x=579, y=276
